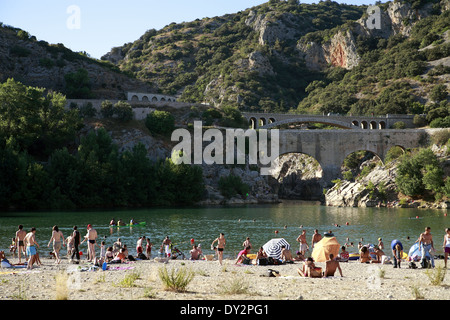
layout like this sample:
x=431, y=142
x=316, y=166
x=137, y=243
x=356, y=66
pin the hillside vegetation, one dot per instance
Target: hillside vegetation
x=307, y=58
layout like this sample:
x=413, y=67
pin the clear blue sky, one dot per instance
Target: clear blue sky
x=104, y=24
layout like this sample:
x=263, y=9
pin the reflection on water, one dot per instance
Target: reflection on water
x=259, y=222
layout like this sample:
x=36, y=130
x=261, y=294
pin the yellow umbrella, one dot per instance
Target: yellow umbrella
x=324, y=247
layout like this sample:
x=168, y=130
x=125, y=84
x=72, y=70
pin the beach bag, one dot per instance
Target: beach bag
x=412, y=265
x=245, y=260
x=263, y=262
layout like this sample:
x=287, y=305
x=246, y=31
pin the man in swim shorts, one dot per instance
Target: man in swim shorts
x=20, y=235
x=303, y=243
x=221, y=242
x=30, y=242
x=91, y=237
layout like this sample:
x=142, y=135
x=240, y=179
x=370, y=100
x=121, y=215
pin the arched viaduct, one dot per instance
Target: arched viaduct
x=272, y=120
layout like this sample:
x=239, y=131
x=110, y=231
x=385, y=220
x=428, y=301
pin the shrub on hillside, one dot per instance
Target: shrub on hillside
x=160, y=122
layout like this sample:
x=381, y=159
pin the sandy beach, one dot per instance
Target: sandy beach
x=213, y=281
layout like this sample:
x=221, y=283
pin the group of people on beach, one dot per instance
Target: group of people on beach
x=366, y=253
x=24, y=243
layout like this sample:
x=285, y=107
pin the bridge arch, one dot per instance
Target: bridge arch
x=253, y=122
x=373, y=125
x=364, y=125
x=262, y=122
x=135, y=98
x=303, y=183
x=353, y=159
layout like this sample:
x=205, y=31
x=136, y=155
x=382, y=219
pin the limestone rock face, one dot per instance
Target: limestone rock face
x=260, y=63
x=398, y=18
x=260, y=191
x=272, y=26
x=339, y=51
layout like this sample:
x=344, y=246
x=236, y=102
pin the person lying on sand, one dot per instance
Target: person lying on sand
x=5, y=262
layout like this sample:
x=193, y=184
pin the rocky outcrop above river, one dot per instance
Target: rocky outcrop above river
x=260, y=191
x=378, y=187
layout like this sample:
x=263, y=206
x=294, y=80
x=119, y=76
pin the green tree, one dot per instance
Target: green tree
x=39, y=123
x=123, y=111
x=78, y=84
x=418, y=172
x=160, y=122
x=439, y=93
x=107, y=109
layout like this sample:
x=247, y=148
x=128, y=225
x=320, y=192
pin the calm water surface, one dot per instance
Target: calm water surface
x=258, y=222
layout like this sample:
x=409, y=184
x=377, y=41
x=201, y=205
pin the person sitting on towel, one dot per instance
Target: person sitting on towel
x=331, y=266
x=286, y=255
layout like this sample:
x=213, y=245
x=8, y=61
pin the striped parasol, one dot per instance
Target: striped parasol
x=273, y=247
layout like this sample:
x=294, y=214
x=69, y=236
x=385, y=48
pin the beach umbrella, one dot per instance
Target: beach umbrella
x=324, y=247
x=273, y=247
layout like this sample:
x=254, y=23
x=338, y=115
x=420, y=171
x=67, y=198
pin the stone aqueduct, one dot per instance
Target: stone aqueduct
x=149, y=97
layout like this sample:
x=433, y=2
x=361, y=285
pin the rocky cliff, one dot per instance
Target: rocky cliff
x=338, y=47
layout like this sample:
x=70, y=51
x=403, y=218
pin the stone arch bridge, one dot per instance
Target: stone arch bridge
x=331, y=147
x=272, y=120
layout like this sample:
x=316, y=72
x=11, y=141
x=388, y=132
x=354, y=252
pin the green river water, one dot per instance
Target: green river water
x=259, y=222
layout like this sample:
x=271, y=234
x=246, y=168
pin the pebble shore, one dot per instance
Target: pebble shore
x=212, y=281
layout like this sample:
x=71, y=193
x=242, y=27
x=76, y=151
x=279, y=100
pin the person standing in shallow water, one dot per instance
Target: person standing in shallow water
x=221, y=242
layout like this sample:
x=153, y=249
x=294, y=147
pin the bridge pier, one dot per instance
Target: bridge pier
x=330, y=173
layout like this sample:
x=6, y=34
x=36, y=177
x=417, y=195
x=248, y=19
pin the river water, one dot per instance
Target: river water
x=259, y=222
